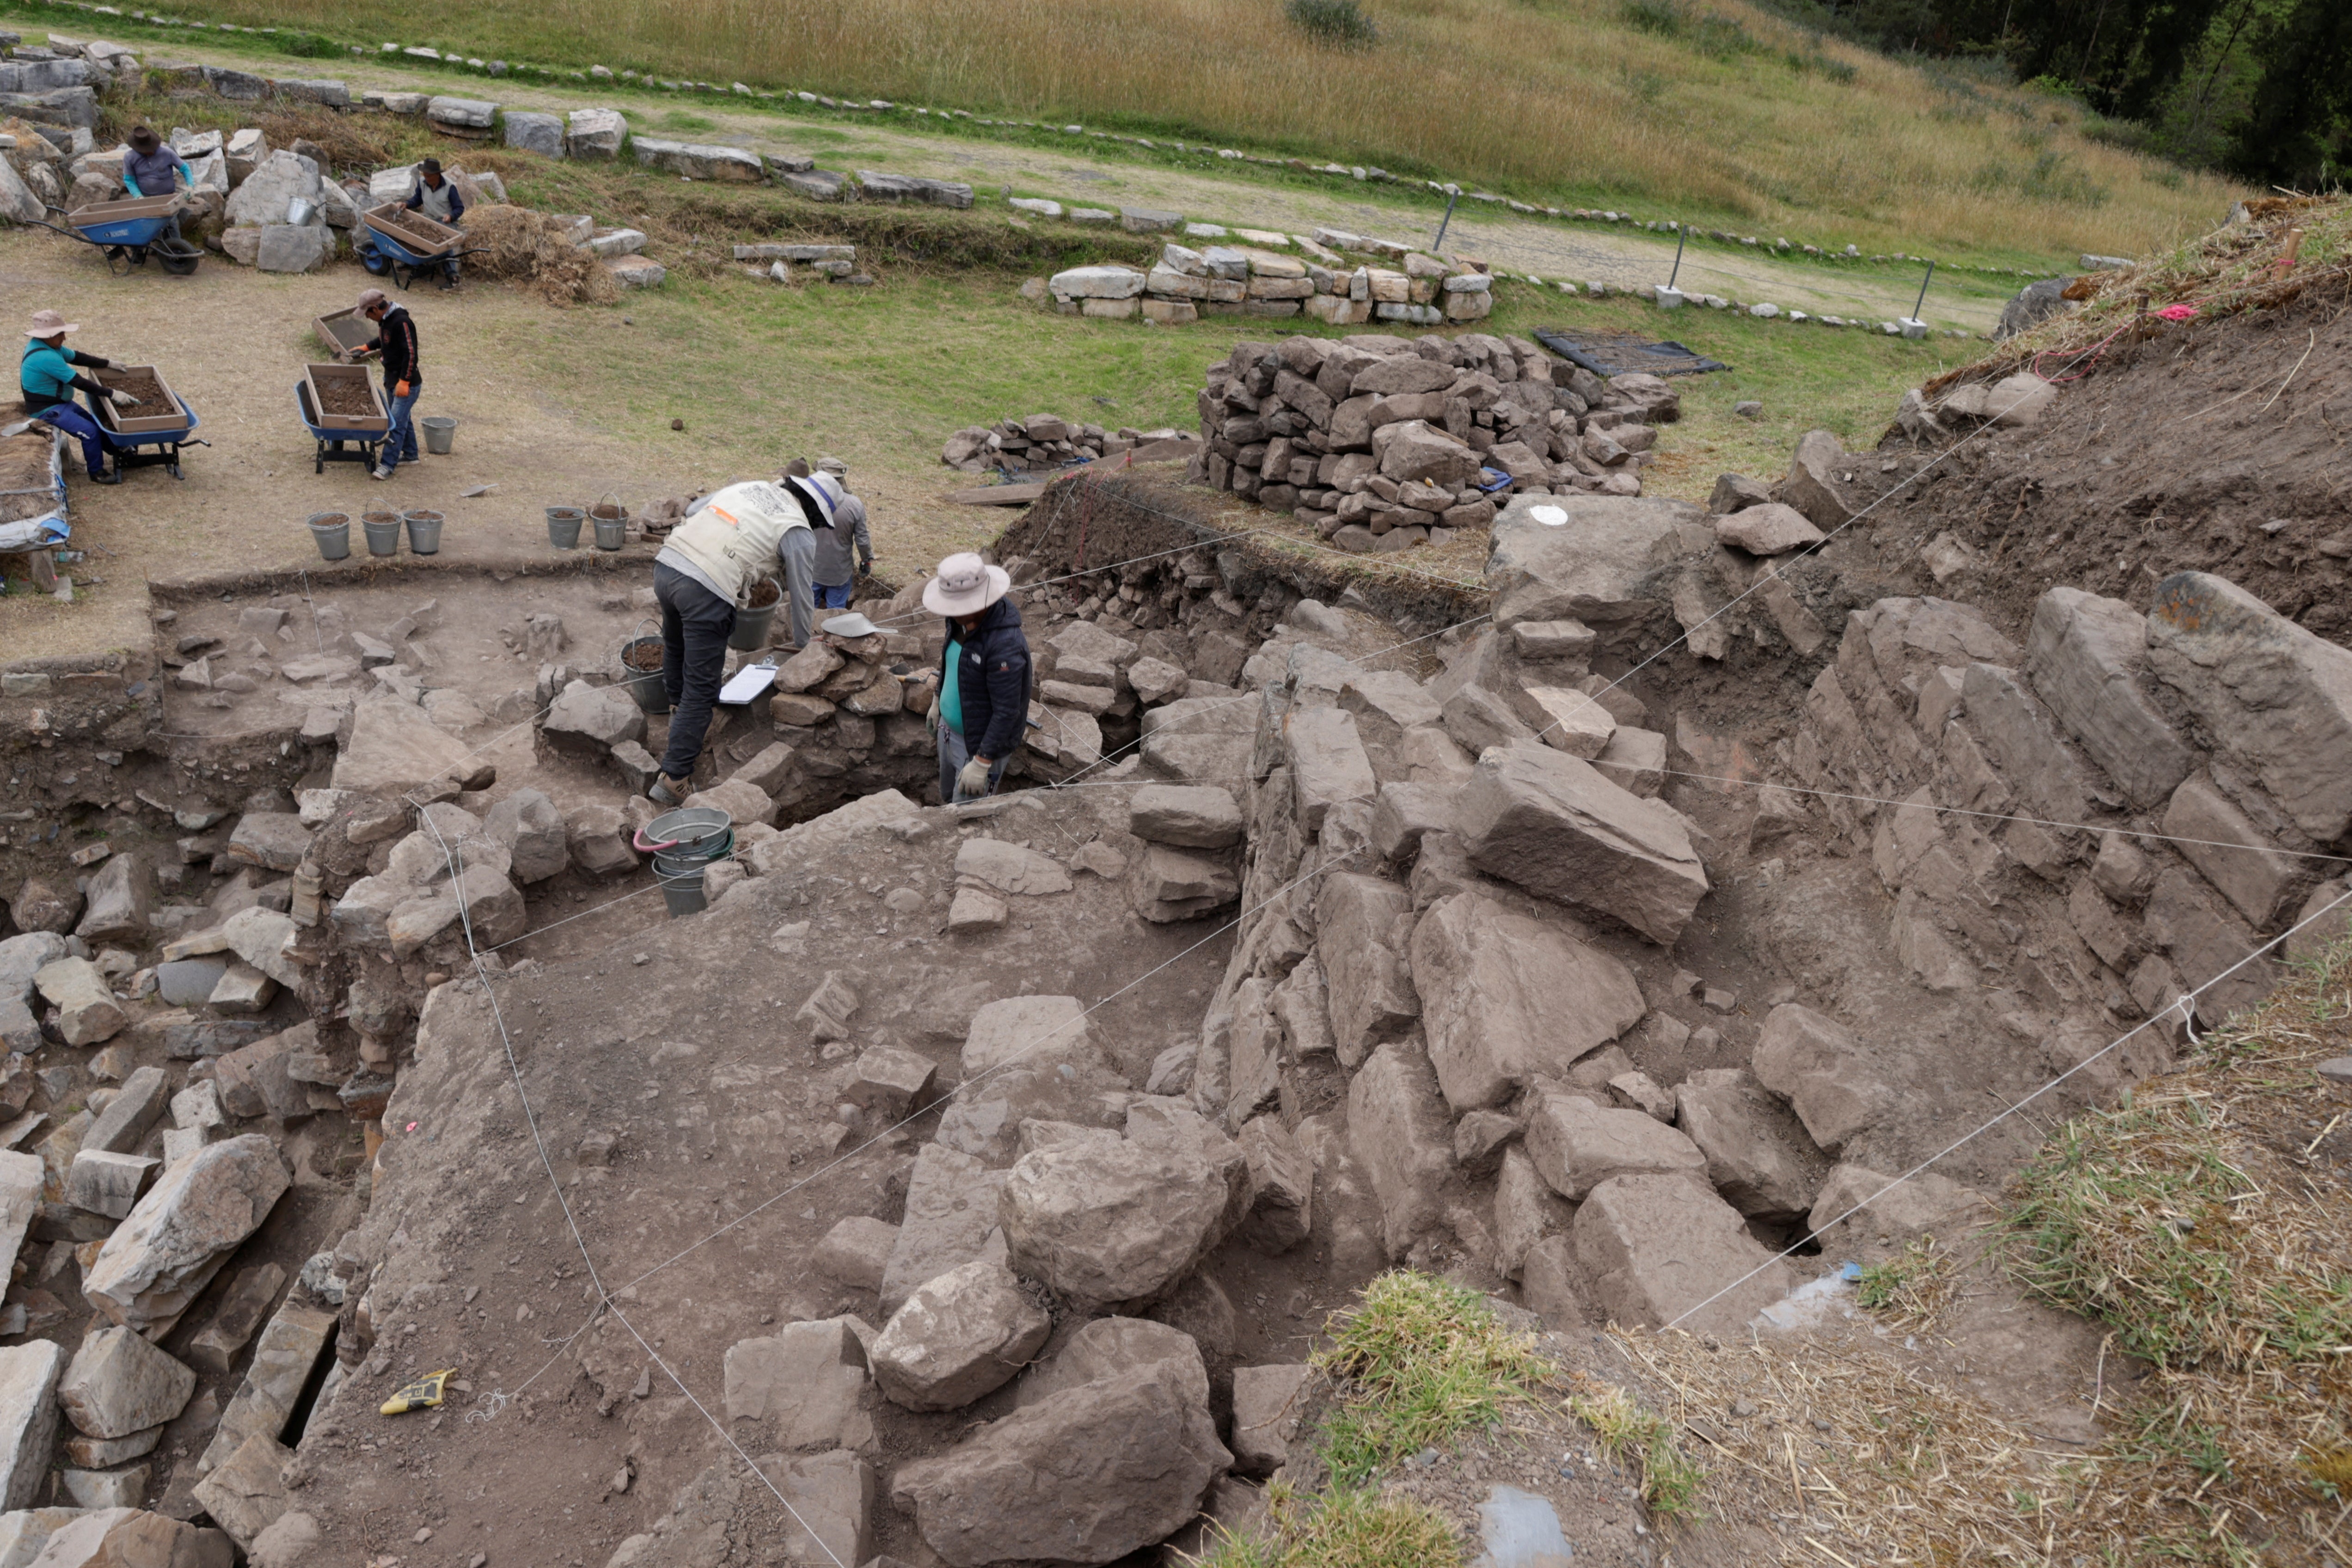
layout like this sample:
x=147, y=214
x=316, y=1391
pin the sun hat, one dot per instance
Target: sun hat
x=965, y=585
x=370, y=298
x=852, y=625
x=829, y=464
x=48, y=324
x=143, y=138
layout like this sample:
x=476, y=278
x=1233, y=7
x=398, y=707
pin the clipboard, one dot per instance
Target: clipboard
x=748, y=683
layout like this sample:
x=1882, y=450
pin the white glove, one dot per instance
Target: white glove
x=973, y=779
x=120, y=399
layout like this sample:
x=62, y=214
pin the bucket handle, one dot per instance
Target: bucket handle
x=638, y=839
x=639, y=629
x=613, y=496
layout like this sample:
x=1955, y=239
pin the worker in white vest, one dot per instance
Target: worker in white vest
x=729, y=541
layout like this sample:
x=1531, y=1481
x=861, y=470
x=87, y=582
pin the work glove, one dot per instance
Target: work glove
x=973, y=779
x=120, y=399
x=399, y=389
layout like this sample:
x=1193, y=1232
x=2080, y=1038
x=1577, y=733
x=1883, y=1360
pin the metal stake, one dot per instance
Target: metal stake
x=1682, y=233
x=1452, y=195
x=1921, y=302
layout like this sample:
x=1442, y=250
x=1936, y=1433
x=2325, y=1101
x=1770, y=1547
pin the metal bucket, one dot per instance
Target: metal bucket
x=684, y=844
x=332, y=532
x=382, y=533
x=424, y=532
x=645, y=685
x=611, y=533
x=440, y=429
x=564, y=526
x=750, y=633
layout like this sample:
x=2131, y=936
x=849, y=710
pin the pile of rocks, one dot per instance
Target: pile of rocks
x=1249, y=280
x=1043, y=442
x=1378, y=440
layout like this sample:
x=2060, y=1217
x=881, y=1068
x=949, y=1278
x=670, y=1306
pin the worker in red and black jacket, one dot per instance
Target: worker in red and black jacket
x=403, y=377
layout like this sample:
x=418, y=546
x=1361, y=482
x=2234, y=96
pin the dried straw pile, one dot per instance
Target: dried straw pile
x=530, y=247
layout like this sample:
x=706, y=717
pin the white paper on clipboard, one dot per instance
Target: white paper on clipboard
x=749, y=682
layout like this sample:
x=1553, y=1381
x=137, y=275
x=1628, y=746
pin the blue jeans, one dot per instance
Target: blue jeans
x=400, y=442
x=953, y=755
x=833, y=595
x=77, y=421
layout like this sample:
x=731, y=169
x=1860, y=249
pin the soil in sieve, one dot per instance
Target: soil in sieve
x=142, y=383
x=348, y=396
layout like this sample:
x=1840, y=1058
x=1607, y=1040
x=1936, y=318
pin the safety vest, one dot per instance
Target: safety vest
x=733, y=539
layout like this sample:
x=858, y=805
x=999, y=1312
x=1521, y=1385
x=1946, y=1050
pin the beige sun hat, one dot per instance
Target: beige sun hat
x=48, y=324
x=965, y=585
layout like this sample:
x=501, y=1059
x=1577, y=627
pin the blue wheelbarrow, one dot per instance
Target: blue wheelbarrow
x=130, y=447
x=138, y=223
x=404, y=246
x=338, y=445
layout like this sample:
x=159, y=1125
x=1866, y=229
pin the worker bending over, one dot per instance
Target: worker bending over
x=47, y=378
x=729, y=539
x=403, y=377
x=836, y=574
x=151, y=169
x=983, y=707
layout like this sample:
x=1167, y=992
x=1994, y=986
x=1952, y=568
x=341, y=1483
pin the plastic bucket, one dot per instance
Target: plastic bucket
x=563, y=527
x=440, y=429
x=332, y=532
x=611, y=533
x=750, y=633
x=382, y=533
x=645, y=684
x=424, y=532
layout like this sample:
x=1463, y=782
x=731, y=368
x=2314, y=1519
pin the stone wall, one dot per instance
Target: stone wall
x=1260, y=281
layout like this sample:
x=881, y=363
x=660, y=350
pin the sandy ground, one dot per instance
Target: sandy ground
x=1549, y=248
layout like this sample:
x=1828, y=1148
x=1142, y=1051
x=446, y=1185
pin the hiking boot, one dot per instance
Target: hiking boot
x=667, y=791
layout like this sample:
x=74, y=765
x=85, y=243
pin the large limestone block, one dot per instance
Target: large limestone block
x=1396, y=1132
x=1860, y=1207
x=119, y=1384
x=125, y=1122
x=121, y=897
x=529, y=825
x=1559, y=827
x=1010, y=868
x=1611, y=563
x=169, y=1248
x=2273, y=695
x=596, y=133
x=1329, y=766
x=284, y=1357
x=2088, y=658
x=587, y=721
x=134, y=1538
x=248, y=1494
x=831, y=1501
x=88, y=1013
x=28, y=1417
x=261, y=200
x=1191, y=816
x=25, y=1531
x=1506, y=999
x=1200, y=740
x=1106, y=1220
x=1814, y=1063
x=2260, y=878
x=1267, y=1405
x=1813, y=486
x=393, y=747
x=950, y=1210
x=1575, y=1145
x=1757, y=1154
x=2019, y=733
x=25, y=955
x=1086, y=1474
x=1526, y=1209
x=1036, y=1031
x=1656, y=1247
x=806, y=1380
x=21, y=1180
x=959, y=1336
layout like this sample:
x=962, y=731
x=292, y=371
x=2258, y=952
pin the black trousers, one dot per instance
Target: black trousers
x=696, y=624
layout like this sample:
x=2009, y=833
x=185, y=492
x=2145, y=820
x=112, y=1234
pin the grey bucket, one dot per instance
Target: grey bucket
x=564, y=526
x=645, y=685
x=439, y=431
x=424, y=532
x=684, y=843
x=382, y=533
x=612, y=521
x=331, y=531
x=750, y=633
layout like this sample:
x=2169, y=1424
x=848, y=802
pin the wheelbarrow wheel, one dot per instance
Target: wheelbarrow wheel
x=179, y=260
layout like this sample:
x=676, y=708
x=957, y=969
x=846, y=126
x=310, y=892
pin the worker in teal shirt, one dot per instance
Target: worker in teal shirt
x=48, y=380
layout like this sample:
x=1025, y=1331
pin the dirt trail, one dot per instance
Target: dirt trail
x=1548, y=249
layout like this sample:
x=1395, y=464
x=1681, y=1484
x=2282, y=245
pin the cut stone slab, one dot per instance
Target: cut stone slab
x=1656, y=1247
x=1608, y=562
x=531, y=828
x=1891, y=1213
x=22, y=1177
x=1329, y=766
x=1572, y=721
x=2087, y=657
x=110, y=1184
x=119, y=1384
x=1759, y=1156
x=1108, y=1221
x=242, y=1308
x=1396, y=1132
x=135, y=1107
x=1768, y=529
x=857, y=1251
x=28, y=1417
x=1556, y=826
x=283, y=1359
x=1036, y=1031
x=807, y=1381
x=25, y=1531
x=121, y=896
x=169, y=1248
x=1506, y=999
x=1814, y=1063
x=959, y=1336
x=393, y=748
x=951, y=1204
x=831, y=1499
x=1193, y=817
x=247, y=1494
x=1364, y=925
x=1282, y=1186
x=1577, y=1144
x=88, y=1013
x=2260, y=880
x=1010, y=868
x=589, y=720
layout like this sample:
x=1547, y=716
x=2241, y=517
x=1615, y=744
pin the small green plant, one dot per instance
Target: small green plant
x=1722, y=38
x=1348, y=1529
x=1419, y=1362
x=1664, y=18
x=1912, y=1287
x=1632, y=1436
x=1334, y=21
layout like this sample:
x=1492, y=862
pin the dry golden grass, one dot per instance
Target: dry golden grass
x=1750, y=120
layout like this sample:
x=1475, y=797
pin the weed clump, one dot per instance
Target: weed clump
x=1419, y=1362
x=1636, y=1437
x=1334, y=21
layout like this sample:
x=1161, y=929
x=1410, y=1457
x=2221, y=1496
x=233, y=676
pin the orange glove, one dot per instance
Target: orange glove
x=399, y=389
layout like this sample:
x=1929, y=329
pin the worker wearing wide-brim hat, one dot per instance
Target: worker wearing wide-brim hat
x=981, y=707
x=48, y=380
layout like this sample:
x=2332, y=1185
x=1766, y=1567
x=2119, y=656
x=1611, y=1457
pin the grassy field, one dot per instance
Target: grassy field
x=1712, y=109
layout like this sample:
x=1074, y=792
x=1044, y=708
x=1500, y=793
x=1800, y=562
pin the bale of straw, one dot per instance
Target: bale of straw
x=529, y=246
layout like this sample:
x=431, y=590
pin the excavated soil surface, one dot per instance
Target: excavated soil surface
x=2213, y=449
x=348, y=396
x=142, y=383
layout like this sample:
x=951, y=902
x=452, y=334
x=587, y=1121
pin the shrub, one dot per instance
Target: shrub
x=1664, y=18
x=1334, y=21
